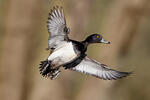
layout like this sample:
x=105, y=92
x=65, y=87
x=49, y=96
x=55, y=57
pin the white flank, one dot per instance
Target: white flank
x=63, y=54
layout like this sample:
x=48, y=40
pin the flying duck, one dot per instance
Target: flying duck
x=71, y=54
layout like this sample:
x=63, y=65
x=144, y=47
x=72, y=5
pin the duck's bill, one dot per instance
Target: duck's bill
x=104, y=41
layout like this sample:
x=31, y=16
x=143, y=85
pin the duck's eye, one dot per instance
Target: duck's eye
x=97, y=36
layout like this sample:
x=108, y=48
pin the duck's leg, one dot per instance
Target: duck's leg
x=55, y=74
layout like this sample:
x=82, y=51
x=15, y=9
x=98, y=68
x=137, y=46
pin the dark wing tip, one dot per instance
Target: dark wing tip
x=56, y=12
x=124, y=74
x=56, y=8
x=112, y=74
x=118, y=75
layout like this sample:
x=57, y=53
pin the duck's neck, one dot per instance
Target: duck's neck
x=85, y=43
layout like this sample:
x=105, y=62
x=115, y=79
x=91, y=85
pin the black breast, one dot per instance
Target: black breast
x=79, y=47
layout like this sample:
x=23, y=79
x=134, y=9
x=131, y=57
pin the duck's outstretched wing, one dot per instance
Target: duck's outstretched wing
x=94, y=68
x=57, y=28
x=56, y=22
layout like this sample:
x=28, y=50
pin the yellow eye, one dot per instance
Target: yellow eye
x=98, y=36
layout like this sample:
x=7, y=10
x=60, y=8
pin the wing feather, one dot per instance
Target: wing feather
x=56, y=22
x=94, y=68
x=58, y=31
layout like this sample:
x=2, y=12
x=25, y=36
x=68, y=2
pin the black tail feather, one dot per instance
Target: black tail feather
x=45, y=68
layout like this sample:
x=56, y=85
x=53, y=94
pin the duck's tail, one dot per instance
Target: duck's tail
x=45, y=67
x=47, y=71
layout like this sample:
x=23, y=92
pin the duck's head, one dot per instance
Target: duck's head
x=95, y=38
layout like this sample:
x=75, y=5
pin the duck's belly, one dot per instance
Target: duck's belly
x=63, y=54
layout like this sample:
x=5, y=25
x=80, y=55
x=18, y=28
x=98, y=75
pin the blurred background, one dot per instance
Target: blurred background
x=24, y=36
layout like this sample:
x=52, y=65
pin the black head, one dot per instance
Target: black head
x=96, y=38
